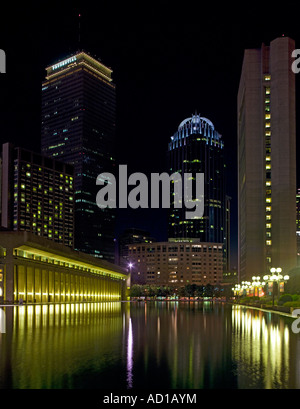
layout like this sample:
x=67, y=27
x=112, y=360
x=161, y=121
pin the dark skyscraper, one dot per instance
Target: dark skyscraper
x=198, y=148
x=78, y=127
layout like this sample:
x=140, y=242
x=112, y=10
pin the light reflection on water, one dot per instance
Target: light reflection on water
x=266, y=350
x=155, y=345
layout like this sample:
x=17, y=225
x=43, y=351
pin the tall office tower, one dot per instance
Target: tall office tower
x=198, y=148
x=37, y=195
x=267, y=160
x=131, y=236
x=78, y=127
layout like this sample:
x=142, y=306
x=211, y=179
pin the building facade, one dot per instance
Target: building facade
x=298, y=225
x=36, y=270
x=267, y=160
x=176, y=263
x=37, y=195
x=131, y=236
x=78, y=127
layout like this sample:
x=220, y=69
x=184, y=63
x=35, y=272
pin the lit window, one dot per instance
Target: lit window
x=268, y=200
x=267, y=77
x=268, y=91
x=268, y=242
x=268, y=225
x=268, y=116
x=268, y=183
x=268, y=166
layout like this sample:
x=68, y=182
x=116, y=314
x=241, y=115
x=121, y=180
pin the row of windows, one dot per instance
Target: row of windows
x=187, y=248
x=268, y=162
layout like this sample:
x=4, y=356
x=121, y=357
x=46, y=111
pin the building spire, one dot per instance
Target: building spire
x=79, y=30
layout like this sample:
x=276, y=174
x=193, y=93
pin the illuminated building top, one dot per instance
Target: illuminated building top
x=197, y=125
x=80, y=59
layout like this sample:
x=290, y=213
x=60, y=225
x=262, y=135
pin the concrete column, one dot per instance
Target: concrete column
x=9, y=277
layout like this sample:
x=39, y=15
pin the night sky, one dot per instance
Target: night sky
x=169, y=59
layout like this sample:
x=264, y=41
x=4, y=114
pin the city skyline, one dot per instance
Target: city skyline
x=150, y=204
x=161, y=76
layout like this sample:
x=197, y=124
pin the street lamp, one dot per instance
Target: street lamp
x=276, y=278
x=256, y=283
x=236, y=290
x=245, y=286
x=130, y=265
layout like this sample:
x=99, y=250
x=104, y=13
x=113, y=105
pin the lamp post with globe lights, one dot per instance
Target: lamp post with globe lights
x=276, y=278
x=236, y=290
x=245, y=286
x=256, y=284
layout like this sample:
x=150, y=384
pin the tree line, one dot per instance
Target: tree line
x=189, y=291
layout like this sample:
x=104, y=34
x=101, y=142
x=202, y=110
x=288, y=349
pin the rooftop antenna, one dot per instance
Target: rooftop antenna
x=79, y=28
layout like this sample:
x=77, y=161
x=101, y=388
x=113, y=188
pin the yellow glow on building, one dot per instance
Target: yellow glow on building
x=37, y=270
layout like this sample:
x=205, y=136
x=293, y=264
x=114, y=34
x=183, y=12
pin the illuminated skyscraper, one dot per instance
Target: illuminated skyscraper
x=78, y=127
x=267, y=160
x=198, y=148
x=37, y=195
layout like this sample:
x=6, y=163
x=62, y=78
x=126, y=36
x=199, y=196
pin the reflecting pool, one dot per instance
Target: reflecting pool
x=164, y=345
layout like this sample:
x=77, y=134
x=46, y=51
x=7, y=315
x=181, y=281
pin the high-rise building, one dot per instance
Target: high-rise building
x=267, y=160
x=37, y=195
x=198, y=148
x=78, y=127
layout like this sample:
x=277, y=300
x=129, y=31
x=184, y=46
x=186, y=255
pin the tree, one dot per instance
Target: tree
x=199, y=291
x=181, y=292
x=136, y=290
x=190, y=290
x=209, y=291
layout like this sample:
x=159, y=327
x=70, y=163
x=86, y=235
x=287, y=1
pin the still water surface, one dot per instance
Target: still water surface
x=146, y=345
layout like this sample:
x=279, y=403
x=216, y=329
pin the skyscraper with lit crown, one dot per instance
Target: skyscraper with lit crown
x=197, y=147
x=78, y=127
